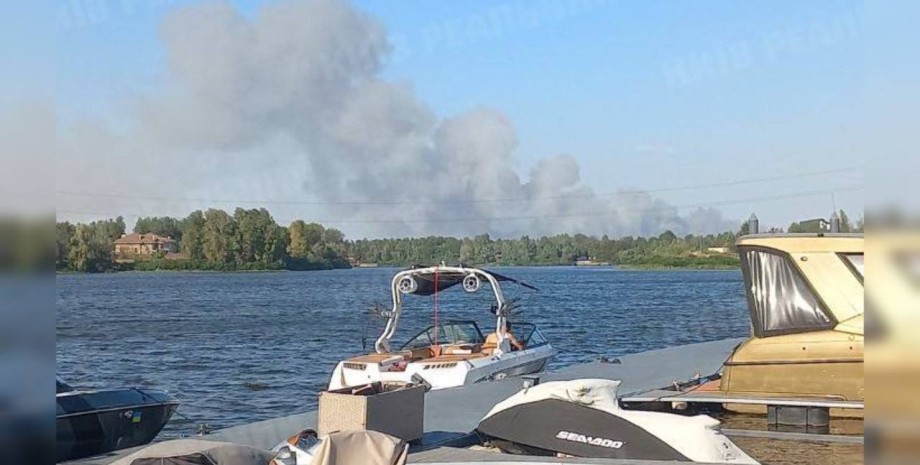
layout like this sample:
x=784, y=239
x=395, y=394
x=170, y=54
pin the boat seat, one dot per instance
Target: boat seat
x=434, y=351
x=414, y=355
x=462, y=349
x=393, y=363
x=491, y=344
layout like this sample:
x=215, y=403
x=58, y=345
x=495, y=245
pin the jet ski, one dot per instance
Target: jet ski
x=582, y=418
x=95, y=422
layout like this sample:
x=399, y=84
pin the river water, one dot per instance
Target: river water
x=241, y=347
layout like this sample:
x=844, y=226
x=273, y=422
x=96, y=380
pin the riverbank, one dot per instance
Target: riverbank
x=186, y=265
x=682, y=262
x=675, y=268
x=165, y=266
x=200, y=265
x=250, y=239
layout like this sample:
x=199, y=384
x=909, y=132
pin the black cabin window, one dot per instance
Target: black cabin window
x=780, y=300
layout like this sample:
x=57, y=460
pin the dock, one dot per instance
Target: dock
x=452, y=414
x=666, y=396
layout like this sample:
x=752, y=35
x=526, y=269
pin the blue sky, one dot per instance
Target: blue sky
x=645, y=95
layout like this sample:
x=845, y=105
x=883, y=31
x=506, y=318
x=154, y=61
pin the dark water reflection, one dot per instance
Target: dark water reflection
x=776, y=452
x=237, y=348
x=772, y=451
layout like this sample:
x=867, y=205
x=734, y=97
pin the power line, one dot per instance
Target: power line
x=560, y=216
x=458, y=201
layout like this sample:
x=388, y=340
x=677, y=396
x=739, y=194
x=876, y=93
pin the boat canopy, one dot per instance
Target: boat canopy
x=449, y=277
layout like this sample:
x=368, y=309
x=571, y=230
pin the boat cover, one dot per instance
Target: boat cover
x=197, y=452
x=360, y=448
x=583, y=418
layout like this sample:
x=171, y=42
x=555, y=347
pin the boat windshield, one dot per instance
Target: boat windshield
x=528, y=334
x=453, y=332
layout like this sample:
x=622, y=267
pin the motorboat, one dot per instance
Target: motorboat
x=806, y=299
x=583, y=418
x=449, y=353
x=91, y=422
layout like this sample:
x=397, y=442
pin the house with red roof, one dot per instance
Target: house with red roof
x=131, y=246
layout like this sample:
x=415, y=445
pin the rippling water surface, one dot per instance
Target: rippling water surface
x=242, y=347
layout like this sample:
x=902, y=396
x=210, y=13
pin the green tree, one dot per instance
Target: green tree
x=63, y=236
x=333, y=242
x=276, y=245
x=255, y=227
x=193, y=235
x=109, y=230
x=160, y=225
x=745, y=229
x=313, y=233
x=667, y=236
x=845, y=225
x=298, y=245
x=466, y=251
x=332, y=236
x=90, y=247
x=221, y=242
x=483, y=252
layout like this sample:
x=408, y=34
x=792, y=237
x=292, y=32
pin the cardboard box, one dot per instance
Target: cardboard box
x=394, y=409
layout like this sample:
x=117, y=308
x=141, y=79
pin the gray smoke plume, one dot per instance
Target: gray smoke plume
x=290, y=104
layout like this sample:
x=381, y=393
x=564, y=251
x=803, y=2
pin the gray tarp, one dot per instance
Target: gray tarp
x=781, y=301
x=197, y=452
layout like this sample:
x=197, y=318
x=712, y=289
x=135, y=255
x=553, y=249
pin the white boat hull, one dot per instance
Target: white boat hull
x=443, y=375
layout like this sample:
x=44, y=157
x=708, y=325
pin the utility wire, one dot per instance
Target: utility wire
x=459, y=201
x=535, y=217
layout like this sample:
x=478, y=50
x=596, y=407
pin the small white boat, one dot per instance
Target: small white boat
x=452, y=353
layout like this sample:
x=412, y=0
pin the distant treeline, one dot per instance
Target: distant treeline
x=252, y=240
x=665, y=250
